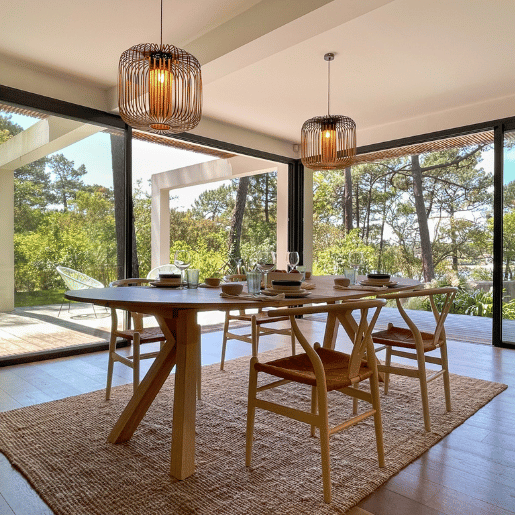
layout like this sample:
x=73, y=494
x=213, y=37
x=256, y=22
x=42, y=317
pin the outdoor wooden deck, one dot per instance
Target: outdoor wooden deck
x=38, y=329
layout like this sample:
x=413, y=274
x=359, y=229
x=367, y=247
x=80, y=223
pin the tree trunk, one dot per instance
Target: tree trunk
x=454, y=242
x=118, y=165
x=267, y=215
x=357, y=205
x=348, y=200
x=237, y=220
x=425, y=242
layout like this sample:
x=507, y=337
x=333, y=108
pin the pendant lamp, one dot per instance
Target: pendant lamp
x=328, y=142
x=159, y=88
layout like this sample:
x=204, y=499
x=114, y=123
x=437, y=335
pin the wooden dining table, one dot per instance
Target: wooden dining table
x=176, y=312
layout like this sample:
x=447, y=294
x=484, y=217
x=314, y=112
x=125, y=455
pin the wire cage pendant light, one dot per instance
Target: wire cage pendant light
x=328, y=142
x=159, y=88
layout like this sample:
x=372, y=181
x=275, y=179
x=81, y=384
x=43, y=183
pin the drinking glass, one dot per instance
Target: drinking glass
x=355, y=259
x=292, y=260
x=182, y=261
x=264, y=263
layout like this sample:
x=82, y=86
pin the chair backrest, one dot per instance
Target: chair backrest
x=137, y=318
x=447, y=294
x=168, y=269
x=75, y=280
x=363, y=340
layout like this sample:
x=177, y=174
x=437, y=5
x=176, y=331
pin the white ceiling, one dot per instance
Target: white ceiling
x=396, y=60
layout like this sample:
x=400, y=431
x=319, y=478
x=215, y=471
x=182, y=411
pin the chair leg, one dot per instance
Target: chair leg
x=387, y=362
x=292, y=342
x=199, y=367
x=255, y=337
x=446, y=378
x=224, y=341
x=355, y=402
x=110, y=365
x=324, y=443
x=378, y=424
x=314, y=405
x=423, y=388
x=251, y=412
x=135, y=361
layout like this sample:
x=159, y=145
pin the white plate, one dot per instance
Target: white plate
x=157, y=284
x=288, y=294
x=204, y=285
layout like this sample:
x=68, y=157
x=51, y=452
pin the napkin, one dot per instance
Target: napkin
x=308, y=286
x=258, y=297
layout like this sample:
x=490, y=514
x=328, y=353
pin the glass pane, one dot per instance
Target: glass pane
x=61, y=229
x=508, y=306
x=202, y=211
x=423, y=213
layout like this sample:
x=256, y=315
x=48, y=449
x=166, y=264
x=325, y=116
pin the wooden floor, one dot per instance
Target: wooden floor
x=471, y=471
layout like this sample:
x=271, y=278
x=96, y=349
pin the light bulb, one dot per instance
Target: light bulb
x=160, y=81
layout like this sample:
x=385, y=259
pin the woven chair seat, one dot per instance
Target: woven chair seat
x=298, y=368
x=147, y=335
x=402, y=337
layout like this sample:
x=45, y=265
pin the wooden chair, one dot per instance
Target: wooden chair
x=138, y=335
x=421, y=342
x=324, y=370
x=259, y=323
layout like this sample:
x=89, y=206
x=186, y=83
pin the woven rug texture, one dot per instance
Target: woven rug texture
x=61, y=448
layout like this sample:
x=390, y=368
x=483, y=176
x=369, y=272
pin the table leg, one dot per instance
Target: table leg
x=148, y=388
x=184, y=405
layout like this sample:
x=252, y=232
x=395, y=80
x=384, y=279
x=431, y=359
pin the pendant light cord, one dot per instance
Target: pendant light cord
x=328, y=86
x=161, y=24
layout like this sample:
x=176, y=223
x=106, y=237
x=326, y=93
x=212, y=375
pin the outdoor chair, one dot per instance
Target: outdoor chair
x=401, y=342
x=74, y=280
x=257, y=323
x=324, y=370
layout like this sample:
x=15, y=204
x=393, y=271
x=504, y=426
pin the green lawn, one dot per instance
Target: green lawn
x=38, y=298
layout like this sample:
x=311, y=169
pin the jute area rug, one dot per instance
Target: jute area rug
x=60, y=447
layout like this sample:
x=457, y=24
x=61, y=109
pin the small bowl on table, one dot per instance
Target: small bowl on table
x=212, y=281
x=232, y=288
x=342, y=281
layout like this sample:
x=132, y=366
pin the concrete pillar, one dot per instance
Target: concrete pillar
x=7, y=239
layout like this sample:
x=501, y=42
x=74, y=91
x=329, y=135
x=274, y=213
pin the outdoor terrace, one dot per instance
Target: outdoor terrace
x=40, y=329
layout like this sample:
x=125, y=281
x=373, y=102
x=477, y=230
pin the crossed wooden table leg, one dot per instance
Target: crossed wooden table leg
x=181, y=348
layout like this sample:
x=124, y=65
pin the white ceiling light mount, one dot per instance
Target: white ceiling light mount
x=328, y=142
x=159, y=88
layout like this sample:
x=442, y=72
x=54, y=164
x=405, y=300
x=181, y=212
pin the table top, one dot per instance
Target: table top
x=152, y=300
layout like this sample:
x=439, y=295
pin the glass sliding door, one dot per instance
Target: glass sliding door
x=58, y=221
x=508, y=240
x=422, y=211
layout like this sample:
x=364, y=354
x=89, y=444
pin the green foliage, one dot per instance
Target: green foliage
x=335, y=258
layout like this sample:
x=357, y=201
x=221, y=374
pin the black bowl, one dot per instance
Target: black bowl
x=378, y=276
x=169, y=276
x=284, y=282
